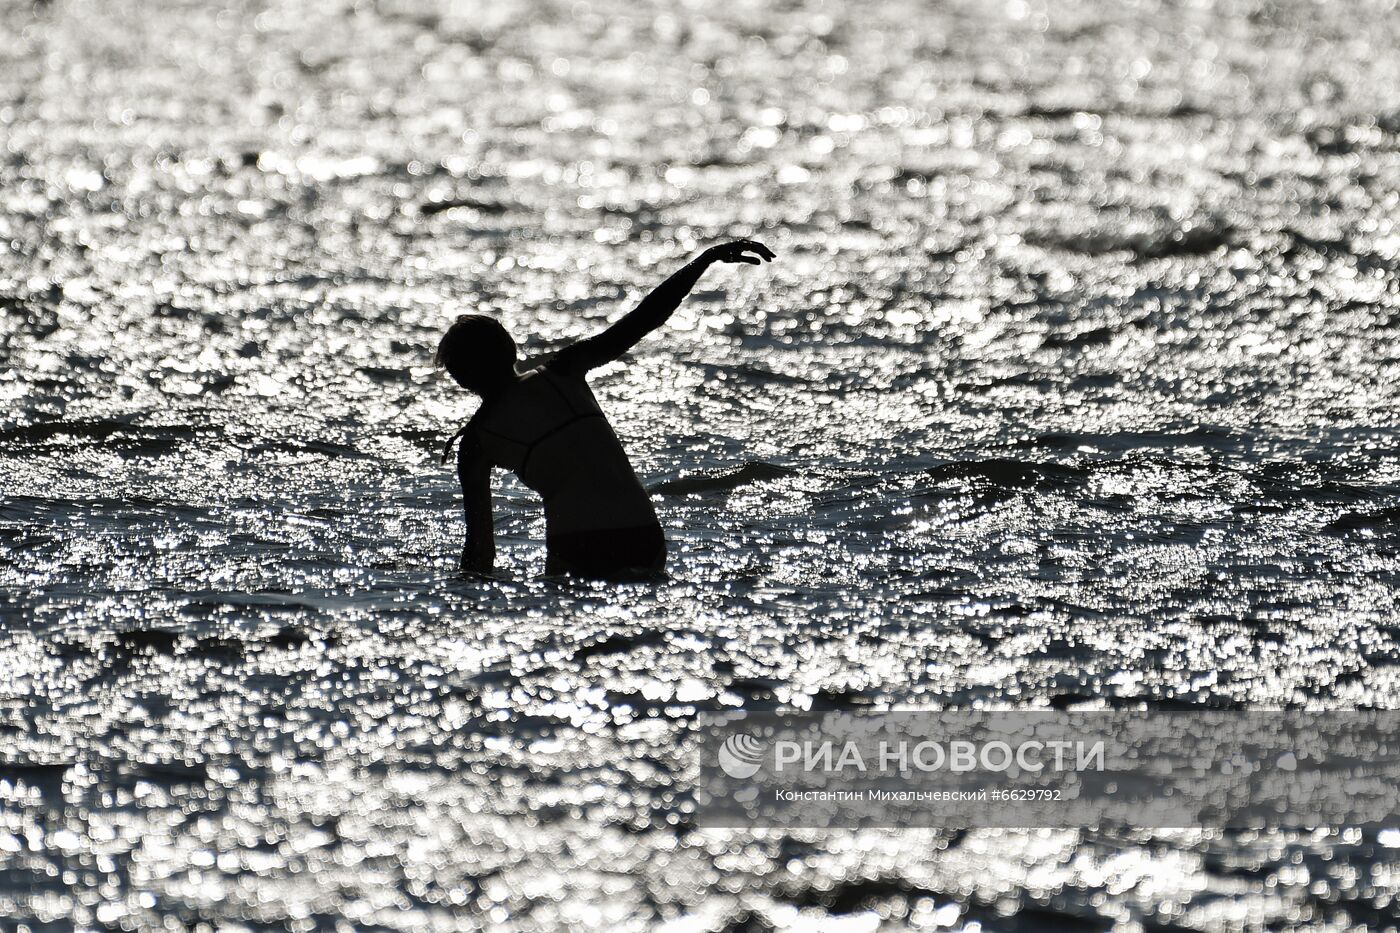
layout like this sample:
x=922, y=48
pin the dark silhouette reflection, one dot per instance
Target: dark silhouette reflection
x=545, y=426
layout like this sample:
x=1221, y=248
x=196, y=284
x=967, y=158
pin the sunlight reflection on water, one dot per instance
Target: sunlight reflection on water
x=1067, y=388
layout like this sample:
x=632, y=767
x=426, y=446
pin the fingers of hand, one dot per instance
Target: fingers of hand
x=763, y=252
x=738, y=250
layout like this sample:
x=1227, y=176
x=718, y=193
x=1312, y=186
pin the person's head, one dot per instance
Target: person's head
x=477, y=352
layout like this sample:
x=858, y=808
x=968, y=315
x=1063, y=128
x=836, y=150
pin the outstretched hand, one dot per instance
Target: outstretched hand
x=739, y=250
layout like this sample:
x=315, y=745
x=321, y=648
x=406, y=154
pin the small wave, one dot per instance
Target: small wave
x=29, y=509
x=753, y=373
x=1193, y=241
x=120, y=433
x=44, y=776
x=1337, y=248
x=1093, y=337
x=167, y=773
x=1004, y=473
x=619, y=644
x=35, y=316
x=1292, y=483
x=385, y=375
x=755, y=471
x=485, y=207
x=205, y=601
x=1207, y=436
x=146, y=641
x=1378, y=520
x=307, y=445
x=97, y=429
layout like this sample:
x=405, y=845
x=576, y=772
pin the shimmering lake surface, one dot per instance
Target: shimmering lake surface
x=1074, y=384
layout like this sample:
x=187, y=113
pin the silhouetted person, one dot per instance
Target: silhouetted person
x=545, y=426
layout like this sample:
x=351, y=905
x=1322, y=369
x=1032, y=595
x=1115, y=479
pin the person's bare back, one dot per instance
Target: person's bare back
x=545, y=426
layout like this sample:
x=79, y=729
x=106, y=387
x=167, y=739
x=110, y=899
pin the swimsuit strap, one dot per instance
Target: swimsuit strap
x=473, y=426
x=544, y=371
x=447, y=448
x=575, y=416
x=530, y=447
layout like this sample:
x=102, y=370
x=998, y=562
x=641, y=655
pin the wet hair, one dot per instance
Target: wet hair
x=475, y=351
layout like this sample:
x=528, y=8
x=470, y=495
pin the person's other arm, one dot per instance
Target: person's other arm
x=474, y=472
x=656, y=308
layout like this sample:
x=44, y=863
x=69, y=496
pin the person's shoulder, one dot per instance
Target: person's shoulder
x=467, y=441
x=569, y=362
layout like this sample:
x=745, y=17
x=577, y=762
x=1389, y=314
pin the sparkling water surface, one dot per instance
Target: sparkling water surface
x=1073, y=385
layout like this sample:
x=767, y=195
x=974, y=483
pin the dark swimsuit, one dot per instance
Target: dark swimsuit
x=609, y=553
x=550, y=432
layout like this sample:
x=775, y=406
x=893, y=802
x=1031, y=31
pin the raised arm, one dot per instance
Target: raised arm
x=655, y=308
x=474, y=471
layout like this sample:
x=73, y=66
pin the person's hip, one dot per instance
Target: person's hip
x=607, y=551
